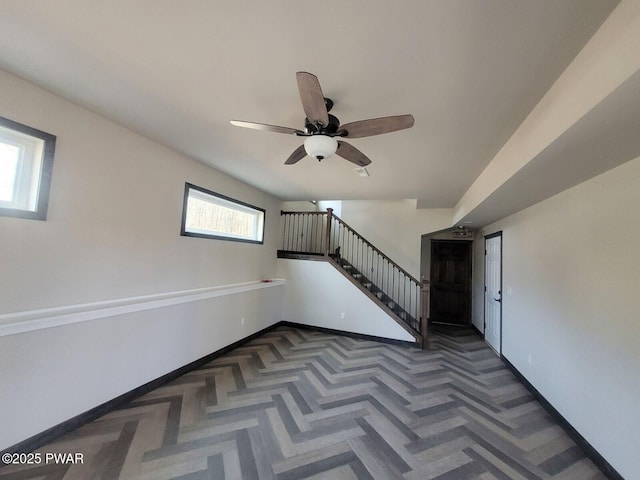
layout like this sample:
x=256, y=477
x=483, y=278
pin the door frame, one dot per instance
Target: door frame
x=484, y=298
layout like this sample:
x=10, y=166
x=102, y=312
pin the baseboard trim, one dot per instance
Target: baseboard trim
x=600, y=462
x=344, y=333
x=287, y=255
x=57, y=431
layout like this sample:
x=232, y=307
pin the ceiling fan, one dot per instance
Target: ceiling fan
x=320, y=127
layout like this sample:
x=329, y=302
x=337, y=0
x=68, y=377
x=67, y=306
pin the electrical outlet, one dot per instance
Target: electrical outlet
x=530, y=359
x=342, y=315
x=242, y=321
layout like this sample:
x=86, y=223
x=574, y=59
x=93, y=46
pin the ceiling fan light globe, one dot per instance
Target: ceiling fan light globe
x=320, y=146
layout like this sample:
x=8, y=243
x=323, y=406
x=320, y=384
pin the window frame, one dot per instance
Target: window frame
x=43, y=179
x=244, y=206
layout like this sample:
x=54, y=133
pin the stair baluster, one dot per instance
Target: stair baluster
x=325, y=235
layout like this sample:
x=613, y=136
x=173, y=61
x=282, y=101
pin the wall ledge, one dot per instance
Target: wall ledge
x=32, y=320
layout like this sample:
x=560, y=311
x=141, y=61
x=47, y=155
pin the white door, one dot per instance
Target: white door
x=493, y=291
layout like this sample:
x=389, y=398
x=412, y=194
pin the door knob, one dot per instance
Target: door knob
x=498, y=300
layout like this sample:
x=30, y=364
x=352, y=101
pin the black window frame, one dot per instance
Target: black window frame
x=183, y=232
x=46, y=171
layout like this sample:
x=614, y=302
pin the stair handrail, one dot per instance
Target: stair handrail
x=377, y=250
x=422, y=285
x=313, y=212
x=414, y=279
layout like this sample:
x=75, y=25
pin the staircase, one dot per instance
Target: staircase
x=324, y=236
x=381, y=297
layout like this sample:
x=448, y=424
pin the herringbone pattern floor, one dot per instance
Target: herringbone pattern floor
x=296, y=404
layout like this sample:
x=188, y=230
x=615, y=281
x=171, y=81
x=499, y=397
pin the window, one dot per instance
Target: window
x=26, y=162
x=211, y=215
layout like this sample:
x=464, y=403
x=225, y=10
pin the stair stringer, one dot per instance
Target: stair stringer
x=315, y=295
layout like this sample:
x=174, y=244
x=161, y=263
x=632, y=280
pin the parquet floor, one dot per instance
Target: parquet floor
x=295, y=404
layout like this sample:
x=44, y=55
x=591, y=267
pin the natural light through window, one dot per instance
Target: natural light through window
x=208, y=214
x=9, y=156
x=26, y=160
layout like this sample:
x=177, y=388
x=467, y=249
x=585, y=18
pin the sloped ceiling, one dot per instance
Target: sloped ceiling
x=469, y=72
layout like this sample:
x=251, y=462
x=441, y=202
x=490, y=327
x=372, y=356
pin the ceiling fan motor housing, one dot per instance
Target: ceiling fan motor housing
x=330, y=129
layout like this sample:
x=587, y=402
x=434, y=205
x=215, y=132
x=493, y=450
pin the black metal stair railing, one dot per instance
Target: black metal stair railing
x=304, y=232
x=323, y=234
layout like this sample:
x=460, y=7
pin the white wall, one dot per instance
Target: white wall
x=50, y=375
x=395, y=227
x=113, y=232
x=607, y=60
x=299, y=206
x=317, y=294
x=336, y=205
x=573, y=267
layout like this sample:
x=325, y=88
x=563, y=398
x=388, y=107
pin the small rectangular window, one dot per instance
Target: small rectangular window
x=210, y=215
x=26, y=163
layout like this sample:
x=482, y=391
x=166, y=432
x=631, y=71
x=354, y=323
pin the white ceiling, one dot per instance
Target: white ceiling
x=178, y=71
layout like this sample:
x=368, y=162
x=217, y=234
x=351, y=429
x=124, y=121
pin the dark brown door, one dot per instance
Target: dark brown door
x=451, y=282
